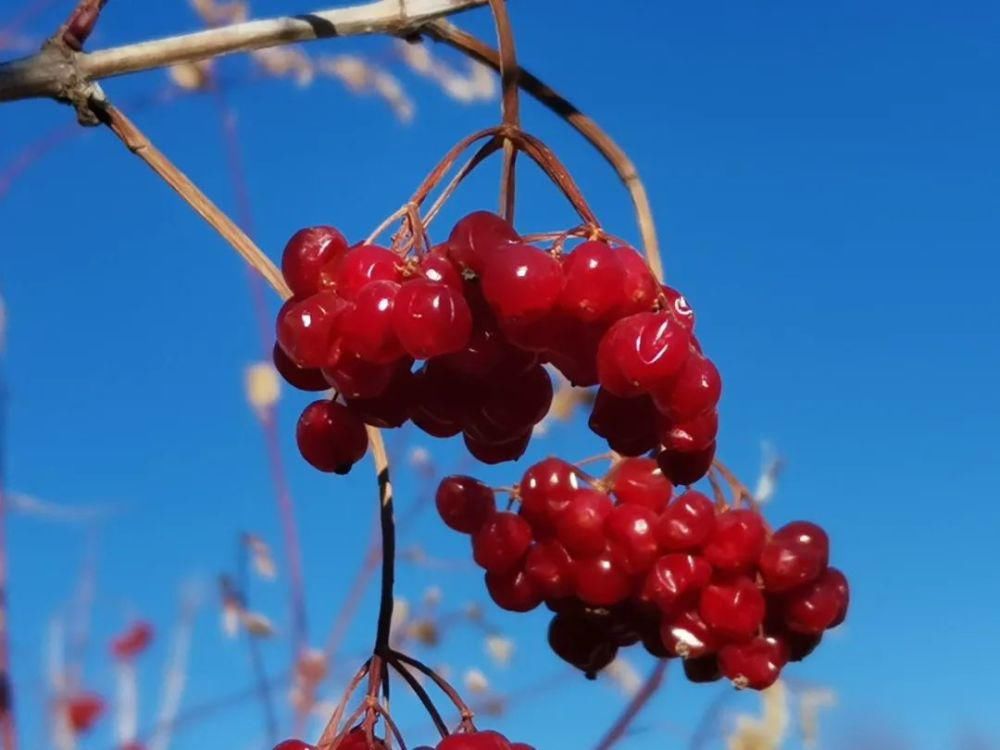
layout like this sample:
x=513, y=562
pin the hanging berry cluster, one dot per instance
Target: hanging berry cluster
x=620, y=560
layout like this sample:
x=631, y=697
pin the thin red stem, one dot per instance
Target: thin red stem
x=510, y=103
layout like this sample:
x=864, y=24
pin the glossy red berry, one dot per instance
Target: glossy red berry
x=431, y=319
x=639, y=481
x=305, y=255
x=819, y=605
x=686, y=634
x=516, y=403
x=477, y=237
x=632, y=528
x=737, y=541
x=580, y=641
x=294, y=745
x=733, y=608
x=691, y=436
x=367, y=328
x=501, y=543
x=550, y=568
x=475, y=741
x=357, y=739
x=307, y=329
x=331, y=437
x=602, y=580
x=513, y=590
x=355, y=378
x=497, y=453
x=755, y=664
x=687, y=523
x=364, y=264
x=675, y=580
x=522, y=282
x=391, y=407
x=686, y=468
x=697, y=388
x=628, y=424
x=437, y=268
x=639, y=288
x=678, y=306
x=797, y=553
x=594, y=282
x=546, y=489
x=133, y=641
x=305, y=379
x=580, y=525
x=702, y=669
x=641, y=351
x=464, y=503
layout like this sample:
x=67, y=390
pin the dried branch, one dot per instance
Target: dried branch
x=54, y=72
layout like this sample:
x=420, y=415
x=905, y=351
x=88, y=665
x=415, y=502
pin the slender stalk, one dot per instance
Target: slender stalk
x=253, y=645
x=422, y=696
x=510, y=104
x=639, y=701
x=8, y=731
x=387, y=525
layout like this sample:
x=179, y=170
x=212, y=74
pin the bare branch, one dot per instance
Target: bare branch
x=53, y=71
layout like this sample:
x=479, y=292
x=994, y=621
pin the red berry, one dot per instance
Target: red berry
x=477, y=237
x=632, y=529
x=686, y=468
x=431, y=319
x=797, y=553
x=295, y=745
x=518, y=402
x=580, y=525
x=628, y=424
x=800, y=645
x=474, y=741
x=703, y=669
x=819, y=605
x=439, y=401
x=307, y=329
x=305, y=379
x=521, y=746
x=487, y=354
x=357, y=739
x=755, y=664
x=501, y=543
x=133, y=641
x=602, y=581
x=639, y=288
x=435, y=267
x=594, y=283
x=464, y=503
x=522, y=282
x=367, y=329
x=737, y=541
x=83, y=710
x=497, y=453
x=639, y=481
x=733, y=608
x=391, y=407
x=306, y=253
x=513, y=590
x=354, y=377
x=686, y=634
x=580, y=641
x=687, y=523
x=692, y=436
x=363, y=264
x=331, y=437
x=550, y=568
x=678, y=306
x=696, y=389
x=545, y=490
x=641, y=351
x=675, y=580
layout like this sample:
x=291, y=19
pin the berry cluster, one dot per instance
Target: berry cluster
x=620, y=560
x=356, y=739
x=484, y=312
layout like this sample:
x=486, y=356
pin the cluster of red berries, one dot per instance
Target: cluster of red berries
x=356, y=739
x=620, y=560
x=484, y=312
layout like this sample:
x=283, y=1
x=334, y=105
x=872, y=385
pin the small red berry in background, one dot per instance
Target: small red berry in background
x=133, y=641
x=83, y=711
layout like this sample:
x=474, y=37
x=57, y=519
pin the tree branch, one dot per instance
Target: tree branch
x=52, y=72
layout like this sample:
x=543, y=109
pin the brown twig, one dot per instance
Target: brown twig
x=510, y=104
x=80, y=24
x=634, y=707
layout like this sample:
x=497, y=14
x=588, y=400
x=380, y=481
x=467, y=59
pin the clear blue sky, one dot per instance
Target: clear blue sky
x=825, y=178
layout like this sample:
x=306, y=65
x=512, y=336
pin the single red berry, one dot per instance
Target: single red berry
x=550, y=568
x=697, y=388
x=678, y=306
x=692, y=436
x=501, y=543
x=580, y=525
x=367, y=328
x=354, y=377
x=357, y=739
x=686, y=634
x=474, y=741
x=687, y=523
x=602, y=580
x=464, y=503
x=594, y=286
x=307, y=329
x=133, y=641
x=513, y=590
x=545, y=490
x=486, y=355
x=703, y=669
x=390, y=408
x=431, y=319
x=755, y=664
x=628, y=424
x=331, y=437
x=580, y=641
x=733, y=608
x=675, y=581
x=306, y=253
x=686, y=468
x=639, y=481
x=83, y=710
x=797, y=553
x=363, y=264
x=639, y=288
x=294, y=745
x=737, y=541
x=521, y=746
x=436, y=267
x=303, y=378
x=632, y=529
x=439, y=400
x=518, y=402
x=498, y=453
x=522, y=282
x=538, y=333
x=477, y=237
x=641, y=351
x=819, y=605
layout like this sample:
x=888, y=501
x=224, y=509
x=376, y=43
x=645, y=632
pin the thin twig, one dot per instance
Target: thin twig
x=80, y=24
x=634, y=707
x=8, y=732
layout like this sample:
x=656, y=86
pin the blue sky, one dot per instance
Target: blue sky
x=825, y=180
